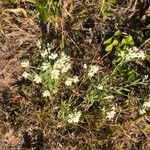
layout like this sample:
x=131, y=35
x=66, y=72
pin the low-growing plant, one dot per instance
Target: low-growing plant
x=126, y=58
x=105, y=9
x=65, y=109
x=48, y=10
x=50, y=71
x=53, y=71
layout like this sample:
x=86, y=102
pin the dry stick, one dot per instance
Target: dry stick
x=142, y=131
x=148, y=40
x=72, y=41
x=128, y=135
x=64, y=9
x=62, y=33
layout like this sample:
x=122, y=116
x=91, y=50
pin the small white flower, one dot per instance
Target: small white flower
x=134, y=53
x=85, y=66
x=38, y=44
x=53, y=56
x=103, y=110
x=37, y=79
x=25, y=64
x=111, y=114
x=63, y=63
x=64, y=57
x=146, y=104
x=65, y=68
x=93, y=70
x=145, y=77
x=74, y=117
x=49, y=47
x=25, y=75
x=141, y=55
x=122, y=54
x=75, y=79
x=46, y=93
x=57, y=65
x=142, y=111
x=44, y=53
x=109, y=97
x=45, y=66
x=69, y=82
x=55, y=74
x=100, y=87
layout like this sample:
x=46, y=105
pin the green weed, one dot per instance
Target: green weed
x=106, y=9
x=48, y=10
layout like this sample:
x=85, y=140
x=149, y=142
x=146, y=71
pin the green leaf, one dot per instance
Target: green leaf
x=115, y=42
x=123, y=42
x=109, y=48
x=126, y=89
x=108, y=41
x=147, y=27
x=130, y=40
x=118, y=91
x=117, y=33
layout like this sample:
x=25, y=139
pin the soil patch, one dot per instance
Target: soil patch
x=18, y=31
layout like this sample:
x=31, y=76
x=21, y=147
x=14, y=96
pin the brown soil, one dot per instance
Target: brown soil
x=18, y=31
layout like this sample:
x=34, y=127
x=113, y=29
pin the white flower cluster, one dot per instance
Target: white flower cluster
x=70, y=81
x=45, y=66
x=142, y=111
x=63, y=63
x=100, y=87
x=134, y=54
x=46, y=93
x=37, y=79
x=85, y=66
x=44, y=53
x=74, y=117
x=93, y=70
x=39, y=44
x=110, y=115
x=25, y=75
x=25, y=64
x=145, y=105
x=53, y=56
x=55, y=74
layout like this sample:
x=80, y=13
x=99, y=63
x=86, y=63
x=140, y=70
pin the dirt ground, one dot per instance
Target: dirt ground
x=18, y=31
